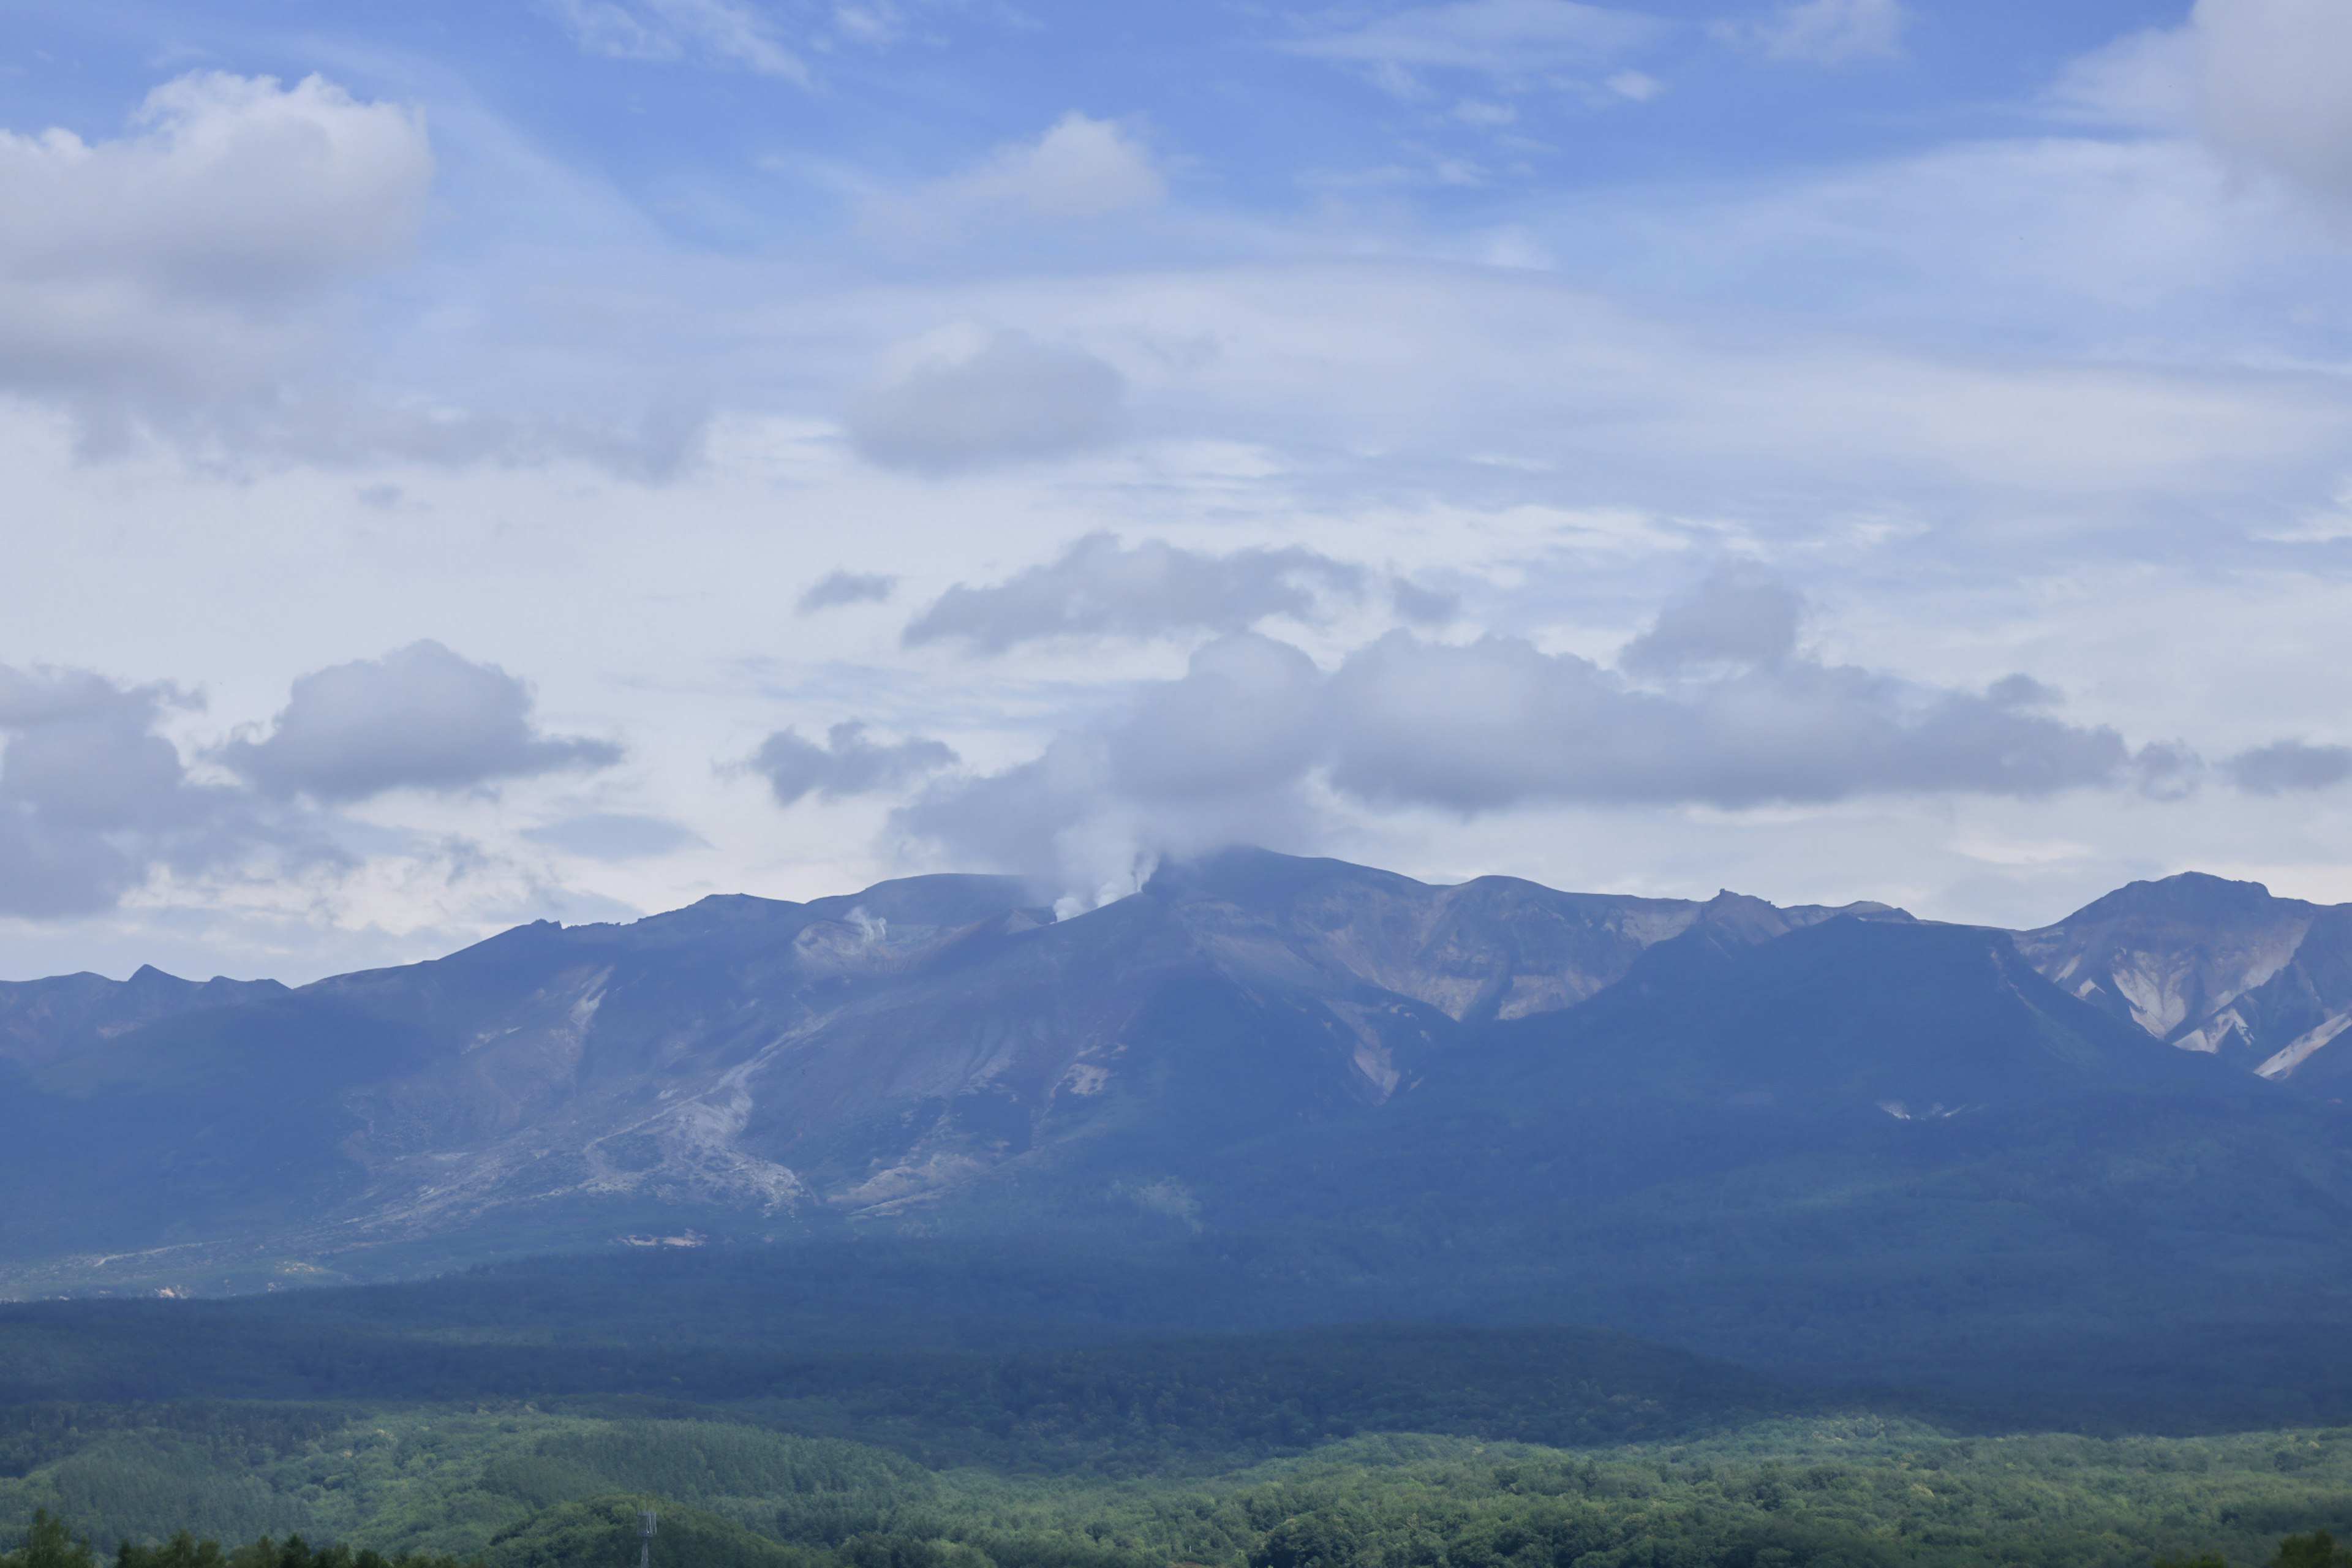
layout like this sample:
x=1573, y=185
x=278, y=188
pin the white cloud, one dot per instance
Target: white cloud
x=94, y=797
x=2053, y=370
x=848, y=763
x=729, y=31
x=1079, y=168
x=1099, y=587
x=968, y=399
x=421, y=718
x=1824, y=32
x=602, y=27
x=2277, y=85
x=2263, y=81
x=2145, y=82
x=2285, y=765
x=1741, y=614
x=229, y=187
x=176, y=270
x=841, y=587
x=1507, y=38
x=1241, y=744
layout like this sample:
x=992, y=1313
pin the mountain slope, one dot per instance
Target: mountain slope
x=2213, y=966
x=1489, y=1102
x=1857, y=1151
x=1268, y=1092
x=778, y=1069
x=41, y=1020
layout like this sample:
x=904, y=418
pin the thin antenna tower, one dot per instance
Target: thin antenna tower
x=645, y=1538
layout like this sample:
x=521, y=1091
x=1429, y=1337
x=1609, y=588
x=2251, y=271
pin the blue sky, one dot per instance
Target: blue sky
x=480, y=463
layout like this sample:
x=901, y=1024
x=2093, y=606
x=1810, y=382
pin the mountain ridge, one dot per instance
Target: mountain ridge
x=940, y=1055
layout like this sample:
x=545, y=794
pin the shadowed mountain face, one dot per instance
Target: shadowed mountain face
x=43, y=1019
x=1777, y=1133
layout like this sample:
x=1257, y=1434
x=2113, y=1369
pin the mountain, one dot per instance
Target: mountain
x=1266, y=1091
x=2214, y=966
x=786, y=1064
x=41, y=1020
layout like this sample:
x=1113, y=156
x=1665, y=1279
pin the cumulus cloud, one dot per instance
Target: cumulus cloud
x=1421, y=604
x=93, y=797
x=176, y=269
x=2168, y=770
x=837, y=588
x=421, y=718
x=2285, y=765
x=2021, y=690
x=1504, y=39
x=1824, y=32
x=848, y=763
x=1101, y=587
x=2272, y=85
x=1080, y=168
x=1741, y=614
x=1212, y=759
x=1239, y=746
x=972, y=401
x=2262, y=81
x=1494, y=724
x=724, y=32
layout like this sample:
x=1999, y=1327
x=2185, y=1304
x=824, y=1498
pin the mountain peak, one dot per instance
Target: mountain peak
x=2192, y=895
x=1246, y=874
x=2180, y=957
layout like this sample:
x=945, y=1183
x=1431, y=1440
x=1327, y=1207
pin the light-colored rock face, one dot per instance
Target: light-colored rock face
x=2171, y=976
x=2207, y=966
x=1496, y=947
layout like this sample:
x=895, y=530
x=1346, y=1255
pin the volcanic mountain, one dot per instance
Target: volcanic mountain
x=1491, y=1101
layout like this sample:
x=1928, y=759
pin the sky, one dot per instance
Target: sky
x=562, y=459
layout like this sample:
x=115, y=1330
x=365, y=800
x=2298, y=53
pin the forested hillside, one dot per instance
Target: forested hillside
x=516, y=1488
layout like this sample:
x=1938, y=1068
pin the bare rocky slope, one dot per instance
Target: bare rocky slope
x=2214, y=966
x=939, y=1055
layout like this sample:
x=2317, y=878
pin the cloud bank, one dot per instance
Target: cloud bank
x=93, y=797
x=2288, y=765
x=96, y=798
x=1714, y=705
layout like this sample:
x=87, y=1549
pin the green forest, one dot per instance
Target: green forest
x=518, y=1487
x=445, y=1426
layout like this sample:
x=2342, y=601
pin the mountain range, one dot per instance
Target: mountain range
x=1791, y=1134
